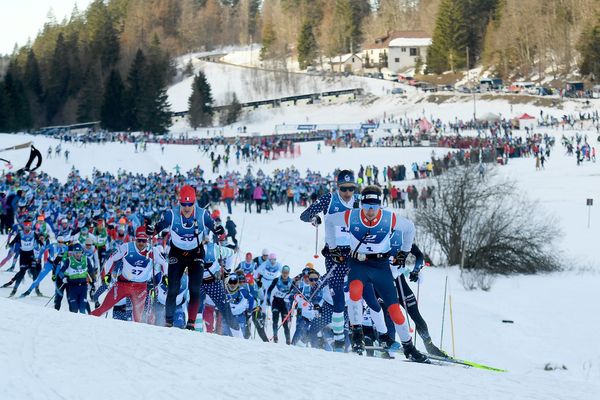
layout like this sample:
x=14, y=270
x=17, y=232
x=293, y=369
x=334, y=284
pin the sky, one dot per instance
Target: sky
x=23, y=19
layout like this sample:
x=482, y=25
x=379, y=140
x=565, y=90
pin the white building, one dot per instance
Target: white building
x=347, y=63
x=406, y=49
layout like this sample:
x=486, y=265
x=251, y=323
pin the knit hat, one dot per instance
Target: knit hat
x=345, y=176
x=187, y=194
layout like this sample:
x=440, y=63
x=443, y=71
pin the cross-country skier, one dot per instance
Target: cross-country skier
x=75, y=274
x=26, y=242
x=339, y=201
x=370, y=229
x=278, y=294
x=140, y=265
x=56, y=252
x=185, y=223
x=409, y=301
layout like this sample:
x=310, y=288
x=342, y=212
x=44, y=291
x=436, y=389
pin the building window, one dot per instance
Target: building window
x=414, y=51
x=404, y=49
x=397, y=59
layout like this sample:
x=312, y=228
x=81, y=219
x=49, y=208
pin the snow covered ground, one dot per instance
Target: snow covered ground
x=57, y=355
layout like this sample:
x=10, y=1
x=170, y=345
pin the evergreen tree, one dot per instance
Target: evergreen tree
x=589, y=47
x=307, y=45
x=112, y=112
x=58, y=79
x=32, y=77
x=135, y=91
x=19, y=112
x=90, y=98
x=233, y=112
x=268, y=40
x=449, y=42
x=200, y=103
x=5, y=110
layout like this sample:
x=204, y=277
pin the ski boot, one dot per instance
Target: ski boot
x=433, y=349
x=412, y=354
x=190, y=326
x=339, y=346
x=358, y=344
x=96, y=304
x=369, y=343
x=25, y=294
x=12, y=293
x=37, y=292
x=169, y=324
x=275, y=339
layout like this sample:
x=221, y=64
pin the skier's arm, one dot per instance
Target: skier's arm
x=271, y=287
x=415, y=251
x=407, y=227
x=165, y=221
x=333, y=221
x=315, y=208
x=117, y=255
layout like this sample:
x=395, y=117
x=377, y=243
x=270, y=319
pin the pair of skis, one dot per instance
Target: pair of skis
x=440, y=360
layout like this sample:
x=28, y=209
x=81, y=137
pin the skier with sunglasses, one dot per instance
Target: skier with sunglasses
x=370, y=228
x=336, y=248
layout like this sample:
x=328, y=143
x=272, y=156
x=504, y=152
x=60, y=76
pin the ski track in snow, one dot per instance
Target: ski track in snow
x=56, y=355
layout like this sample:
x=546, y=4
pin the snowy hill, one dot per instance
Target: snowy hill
x=58, y=355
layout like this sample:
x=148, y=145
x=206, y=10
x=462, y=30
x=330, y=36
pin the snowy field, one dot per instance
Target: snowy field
x=57, y=355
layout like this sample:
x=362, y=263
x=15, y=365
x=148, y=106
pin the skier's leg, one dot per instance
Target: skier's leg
x=195, y=272
x=176, y=268
x=114, y=295
x=336, y=287
x=137, y=293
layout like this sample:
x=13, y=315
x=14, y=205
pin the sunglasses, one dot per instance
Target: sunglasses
x=347, y=188
x=187, y=204
x=313, y=279
x=371, y=206
x=88, y=245
x=141, y=240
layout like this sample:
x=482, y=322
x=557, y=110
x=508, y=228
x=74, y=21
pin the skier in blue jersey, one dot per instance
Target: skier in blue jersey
x=185, y=224
x=335, y=255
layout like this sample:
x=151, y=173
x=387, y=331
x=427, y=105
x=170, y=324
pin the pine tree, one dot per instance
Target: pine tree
x=90, y=98
x=589, y=47
x=135, y=91
x=58, y=79
x=233, y=111
x=5, y=110
x=112, y=112
x=32, y=77
x=200, y=103
x=268, y=40
x=449, y=42
x=307, y=45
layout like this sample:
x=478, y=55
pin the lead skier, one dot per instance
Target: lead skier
x=370, y=228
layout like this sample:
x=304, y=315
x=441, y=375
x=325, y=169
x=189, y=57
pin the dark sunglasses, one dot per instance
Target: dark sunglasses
x=347, y=188
x=141, y=240
x=313, y=279
x=187, y=204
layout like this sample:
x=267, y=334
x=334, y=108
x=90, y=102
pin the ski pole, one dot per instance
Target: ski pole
x=443, y=313
x=55, y=291
x=316, y=255
x=399, y=279
x=418, y=290
x=451, y=321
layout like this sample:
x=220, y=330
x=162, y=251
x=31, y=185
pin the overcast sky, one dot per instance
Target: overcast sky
x=23, y=19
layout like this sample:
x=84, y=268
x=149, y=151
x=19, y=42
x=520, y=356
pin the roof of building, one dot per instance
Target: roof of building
x=344, y=58
x=410, y=42
x=384, y=41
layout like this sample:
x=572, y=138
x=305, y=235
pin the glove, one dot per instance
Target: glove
x=53, y=278
x=107, y=279
x=413, y=276
x=64, y=280
x=165, y=280
x=316, y=307
x=256, y=310
x=219, y=230
x=150, y=229
x=316, y=220
x=400, y=258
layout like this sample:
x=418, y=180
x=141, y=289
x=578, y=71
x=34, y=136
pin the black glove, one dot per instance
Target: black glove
x=316, y=307
x=165, y=280
x=53, y=278
x=400, y=258
x=150, y=229
x=219, y=230
x=413, y=276
x=316, y=220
